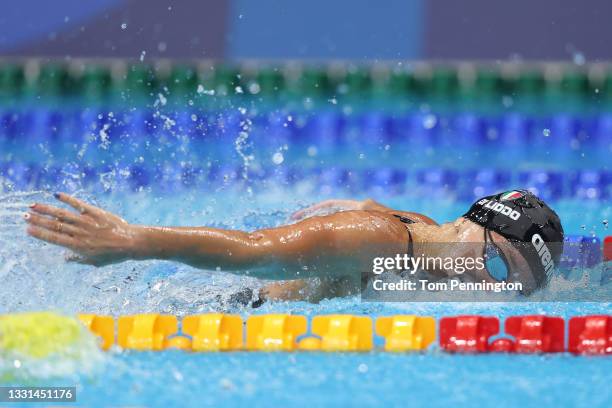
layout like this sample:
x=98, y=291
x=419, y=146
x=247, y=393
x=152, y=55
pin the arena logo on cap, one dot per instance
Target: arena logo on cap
x=511, y=195
x=543, y=252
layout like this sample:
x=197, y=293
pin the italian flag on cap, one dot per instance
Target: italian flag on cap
x=511, y=195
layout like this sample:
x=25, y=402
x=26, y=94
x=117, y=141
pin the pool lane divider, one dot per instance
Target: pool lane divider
x=472, y=334
x=531, y=334
x=607, y=249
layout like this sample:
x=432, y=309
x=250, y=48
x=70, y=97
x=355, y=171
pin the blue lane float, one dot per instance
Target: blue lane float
x=557, y=132
x=581, y=251
x=463, y=185
x=590, y=184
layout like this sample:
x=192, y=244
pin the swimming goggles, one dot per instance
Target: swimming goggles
x=496, y=263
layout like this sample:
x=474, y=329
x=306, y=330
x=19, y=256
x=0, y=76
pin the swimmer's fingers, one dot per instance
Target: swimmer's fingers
x=53, y=237
x=59, y=213
x=52, y=225
x=79, y=205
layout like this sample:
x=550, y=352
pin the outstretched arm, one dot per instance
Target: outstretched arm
x=337, y=245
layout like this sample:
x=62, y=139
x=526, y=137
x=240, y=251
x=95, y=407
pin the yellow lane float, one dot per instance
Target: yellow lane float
x=146, y=331
x=101, y=326
x=214, y=332
x=275, y=332
x=343, y=332
x=41, y=334
x=406, y=332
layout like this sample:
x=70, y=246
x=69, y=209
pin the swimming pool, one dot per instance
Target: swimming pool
x=237, y=162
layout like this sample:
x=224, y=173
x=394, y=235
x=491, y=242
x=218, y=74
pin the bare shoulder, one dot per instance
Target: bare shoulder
x=413, y=216
x=354, y=224
x=372, y=205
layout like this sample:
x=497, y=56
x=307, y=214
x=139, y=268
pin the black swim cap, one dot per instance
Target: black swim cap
x=527, y=222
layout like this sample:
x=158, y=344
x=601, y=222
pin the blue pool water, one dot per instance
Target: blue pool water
x=249, y=169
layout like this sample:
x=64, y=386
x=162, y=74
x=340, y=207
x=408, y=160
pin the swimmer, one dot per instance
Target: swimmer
x=322, y=256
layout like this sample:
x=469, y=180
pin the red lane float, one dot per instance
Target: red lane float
x=607, y=250
x=467, y=334
x=532, y=334
x=502, y=345
x=590, y=335
x=536, y=334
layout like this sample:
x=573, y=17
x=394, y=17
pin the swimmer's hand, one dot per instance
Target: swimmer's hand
x=328, y=206
x=96, y=237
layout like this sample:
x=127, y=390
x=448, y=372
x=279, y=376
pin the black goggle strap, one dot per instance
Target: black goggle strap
x=488, y=240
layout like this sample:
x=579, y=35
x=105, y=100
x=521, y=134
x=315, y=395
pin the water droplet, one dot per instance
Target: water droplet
x=362, y=368
x=226, y=384
x=178, y=376
x=546, y=132
x=429, y=121
x=579, y=58
x=123, y=26
x=254, y=88
x=201, y=90
x=278, y=158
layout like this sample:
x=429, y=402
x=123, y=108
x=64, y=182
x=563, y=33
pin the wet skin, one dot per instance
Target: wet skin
x=333, y=248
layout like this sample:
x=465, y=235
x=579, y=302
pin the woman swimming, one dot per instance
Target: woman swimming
x=323, y=256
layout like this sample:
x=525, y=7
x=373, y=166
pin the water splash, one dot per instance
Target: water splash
x=242, y=144
x=46, y=345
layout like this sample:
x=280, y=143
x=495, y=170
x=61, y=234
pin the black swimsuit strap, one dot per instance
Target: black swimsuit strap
x=410, y=244
x=407, y=220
